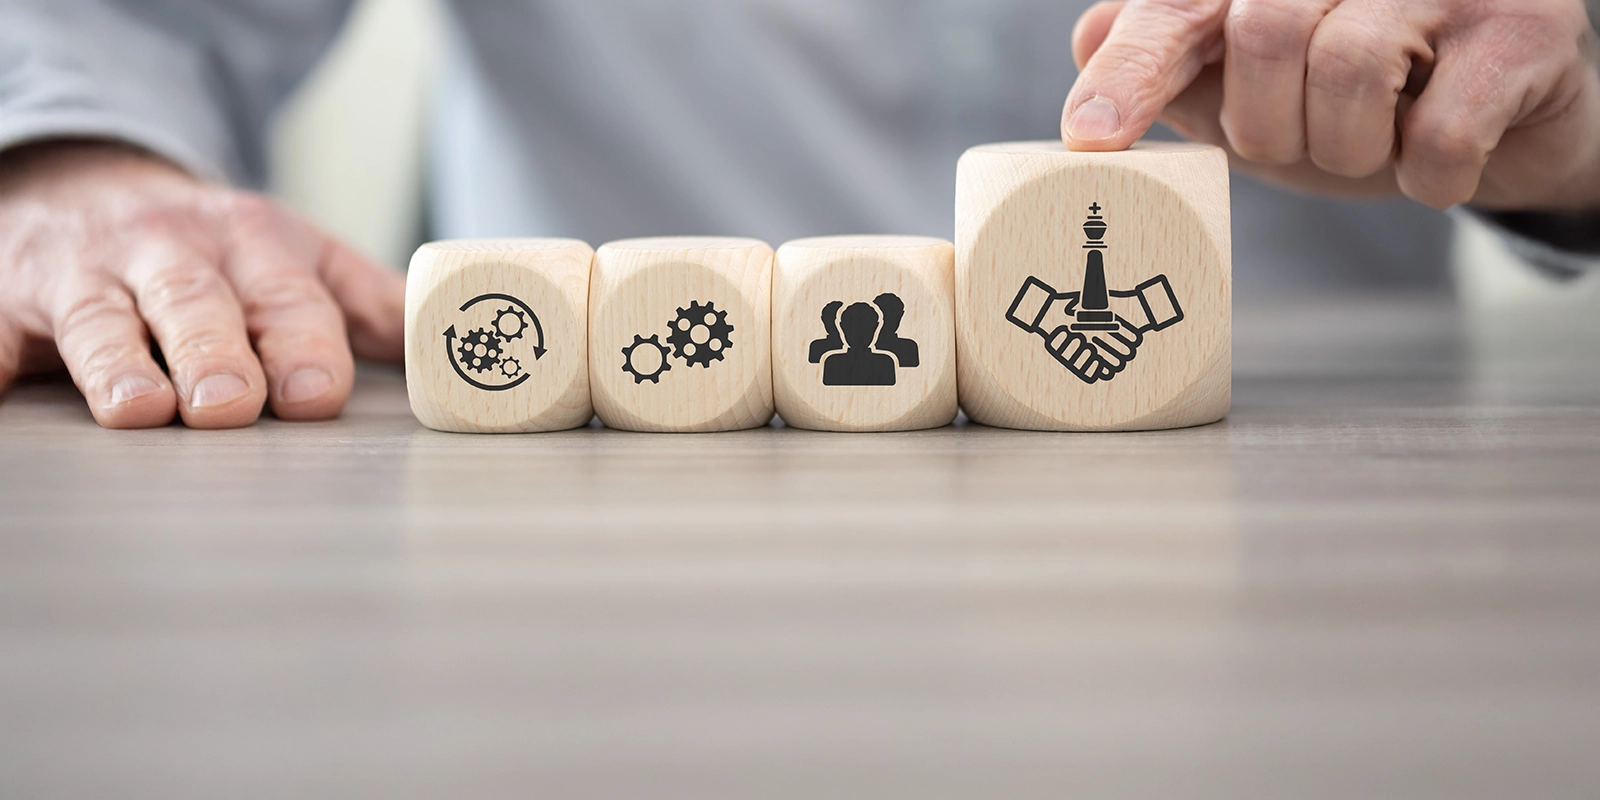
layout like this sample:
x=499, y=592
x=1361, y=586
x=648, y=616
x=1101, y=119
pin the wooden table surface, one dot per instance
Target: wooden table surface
x=1380, y=577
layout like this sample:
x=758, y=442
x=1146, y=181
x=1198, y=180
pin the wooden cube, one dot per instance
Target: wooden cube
x=497, y=335
x=1093, y=290
x=680, y=333
x=863, y=333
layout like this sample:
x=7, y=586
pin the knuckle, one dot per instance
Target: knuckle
x=1191, y=15
x=184, y=285
x=185, y=222
x=1437, y=188
x=253, y=216
x=1270, y=30
x=107, y=358
x=1451, y=141
x=1348, y=62
x=284, y=290
x=93, y=309
x=254, y=213
x=206, y=343
x=1263, y=144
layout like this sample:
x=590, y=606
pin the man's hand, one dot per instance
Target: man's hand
x=1494, y=102
x=103, y=248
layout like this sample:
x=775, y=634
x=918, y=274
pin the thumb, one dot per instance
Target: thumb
x=1147, y=56
x=373, y=298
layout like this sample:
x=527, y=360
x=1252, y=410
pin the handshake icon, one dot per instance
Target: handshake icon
x=1095, y=333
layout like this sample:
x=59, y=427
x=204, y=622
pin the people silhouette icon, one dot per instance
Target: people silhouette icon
x=859, y=364
x=889, y=341
x=830, y=326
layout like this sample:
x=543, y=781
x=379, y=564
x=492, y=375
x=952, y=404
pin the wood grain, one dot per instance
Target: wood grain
x=551, y=276
x=1379, y=577
x=1020, y=214
x=640, y=288
x=832, y=273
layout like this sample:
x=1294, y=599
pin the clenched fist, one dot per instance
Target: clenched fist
x=103, y=248
x=1492, y=102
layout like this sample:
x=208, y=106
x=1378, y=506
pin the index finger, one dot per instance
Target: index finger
x=1154, y=50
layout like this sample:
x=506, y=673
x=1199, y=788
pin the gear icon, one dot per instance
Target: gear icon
x=646, y=365
x=511, y=368
x=511, y=323
x=700, y=334
x=480, y=350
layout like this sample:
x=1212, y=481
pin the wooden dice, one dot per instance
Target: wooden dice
x=679, y=332
x=497, y=335
x=1093, y=290
x=863, y=333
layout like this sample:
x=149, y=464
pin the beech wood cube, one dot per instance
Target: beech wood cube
x=863, y=333
x=497, y=335
x=1094, y=291
x=680, y=334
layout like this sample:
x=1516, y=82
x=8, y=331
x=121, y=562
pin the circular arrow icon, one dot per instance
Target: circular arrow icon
x=485, y=355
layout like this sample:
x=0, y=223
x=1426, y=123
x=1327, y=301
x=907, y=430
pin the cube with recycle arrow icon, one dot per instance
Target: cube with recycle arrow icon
x=497, y=335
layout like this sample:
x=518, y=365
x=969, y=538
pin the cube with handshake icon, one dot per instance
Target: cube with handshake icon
x=1093, y=290
x=1095, y=351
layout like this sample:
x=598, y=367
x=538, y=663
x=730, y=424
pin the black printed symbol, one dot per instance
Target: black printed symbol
x=698, y=335
x=489, y=352
x=1095, y=333
x=645, y=359
x=870, y=349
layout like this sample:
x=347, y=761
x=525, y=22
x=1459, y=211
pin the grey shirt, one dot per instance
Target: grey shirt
x=601, y=119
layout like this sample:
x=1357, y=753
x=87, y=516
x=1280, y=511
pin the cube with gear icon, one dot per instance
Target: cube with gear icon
x=679, y=334
x=497, y=335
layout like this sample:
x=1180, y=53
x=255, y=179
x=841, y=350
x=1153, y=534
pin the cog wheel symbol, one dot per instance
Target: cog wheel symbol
x=481, y=350
x=511, y=368
x=511, y=323
x=700, y=334
x=645, y=365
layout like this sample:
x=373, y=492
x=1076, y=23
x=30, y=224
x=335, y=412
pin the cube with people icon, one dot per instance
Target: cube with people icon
x=863, y=333
x=1094, y=290
x=497, y=335
x=679, y=334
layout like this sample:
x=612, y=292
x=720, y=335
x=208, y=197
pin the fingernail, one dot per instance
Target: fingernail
x=217, y=390
x=306, y=384
x=131, y=388
x=1096, y=120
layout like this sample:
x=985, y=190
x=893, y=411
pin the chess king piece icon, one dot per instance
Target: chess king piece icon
x=887, y=364
x=497, y=335
x=1120, y=322
x=1081, y=329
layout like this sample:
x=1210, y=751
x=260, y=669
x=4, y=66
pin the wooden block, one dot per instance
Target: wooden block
x=863, y=333
x=1094, y=291
x=497, y=335
x=680, y=329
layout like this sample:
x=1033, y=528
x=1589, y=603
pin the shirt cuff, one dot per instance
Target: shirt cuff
x=1562, y=246
x=23, y=129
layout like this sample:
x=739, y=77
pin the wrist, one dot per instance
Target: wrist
x=57, y=167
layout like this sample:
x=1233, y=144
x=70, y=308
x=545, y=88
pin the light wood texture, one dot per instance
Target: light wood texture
x=1029, y=348
x=681, y=334
x=1378, y=578
x=497, y=335
x=899, y=291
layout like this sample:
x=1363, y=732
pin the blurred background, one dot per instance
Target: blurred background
x=352, y=151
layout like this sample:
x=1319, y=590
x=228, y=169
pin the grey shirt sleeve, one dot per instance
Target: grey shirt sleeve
x=194, y=81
